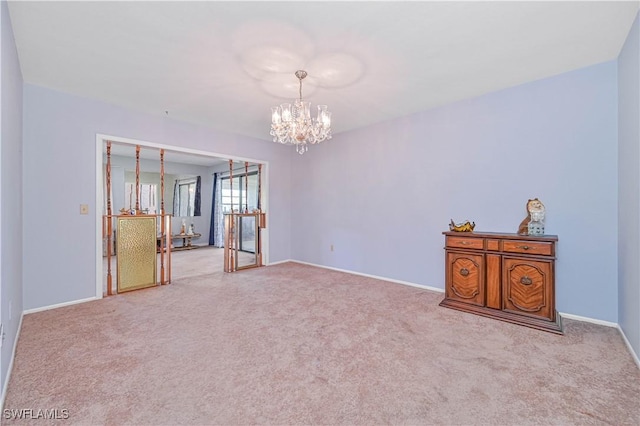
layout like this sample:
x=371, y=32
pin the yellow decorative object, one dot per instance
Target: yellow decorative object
x=136, y=247
x=462, y=227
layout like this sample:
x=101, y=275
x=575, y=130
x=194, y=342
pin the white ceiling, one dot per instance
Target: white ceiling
x=224, y=64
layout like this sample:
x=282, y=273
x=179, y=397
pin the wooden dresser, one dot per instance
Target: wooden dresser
x=509, y=277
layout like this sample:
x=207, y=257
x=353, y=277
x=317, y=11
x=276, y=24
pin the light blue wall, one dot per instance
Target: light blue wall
x=10, y=189
x=60, y=174
x=629, y=187
x=383, y=195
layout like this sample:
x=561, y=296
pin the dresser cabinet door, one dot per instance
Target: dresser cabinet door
x=527, y=287
x=465, y=278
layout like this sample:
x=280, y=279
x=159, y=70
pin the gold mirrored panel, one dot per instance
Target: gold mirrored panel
x=136, y=247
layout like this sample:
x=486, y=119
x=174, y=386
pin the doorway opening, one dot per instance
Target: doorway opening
x=185, y=164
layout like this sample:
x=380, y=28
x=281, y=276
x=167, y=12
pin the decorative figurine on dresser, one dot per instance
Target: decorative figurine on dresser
x=510, y=277
x=533, y=224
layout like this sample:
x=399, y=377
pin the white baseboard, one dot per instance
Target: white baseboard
x=626, y=341
x=280, y=262
x=424, y=287
x=5, y=385
x=60, y=305
x=587, y=319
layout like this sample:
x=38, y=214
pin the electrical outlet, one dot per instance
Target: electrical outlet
x=331, y=247
x=84, y=208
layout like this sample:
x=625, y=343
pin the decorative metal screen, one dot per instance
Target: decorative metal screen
x=136, y=251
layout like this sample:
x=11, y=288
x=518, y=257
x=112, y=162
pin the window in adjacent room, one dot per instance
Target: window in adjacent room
x=148, y=197
x=186, y=197
x=240, y=197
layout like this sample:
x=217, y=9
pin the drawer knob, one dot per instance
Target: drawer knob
x=526, y=280
x=464, y=272
x=524, y=247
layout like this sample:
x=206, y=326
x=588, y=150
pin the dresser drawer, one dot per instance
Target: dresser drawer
x=528, y=247
x=465, y=242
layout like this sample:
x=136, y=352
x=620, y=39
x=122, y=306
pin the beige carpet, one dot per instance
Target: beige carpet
x=294, y=344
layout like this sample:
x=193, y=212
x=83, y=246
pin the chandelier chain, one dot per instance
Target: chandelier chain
x=301, y=74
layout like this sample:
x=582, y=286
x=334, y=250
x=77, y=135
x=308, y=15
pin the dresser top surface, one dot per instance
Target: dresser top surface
x=501, y=235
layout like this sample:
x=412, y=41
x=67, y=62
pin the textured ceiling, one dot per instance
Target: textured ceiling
x=224, y=64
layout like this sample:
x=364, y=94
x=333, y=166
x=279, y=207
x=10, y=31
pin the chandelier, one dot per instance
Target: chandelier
x=292, y=123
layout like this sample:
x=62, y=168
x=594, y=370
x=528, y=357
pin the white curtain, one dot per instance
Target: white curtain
x=218, y=219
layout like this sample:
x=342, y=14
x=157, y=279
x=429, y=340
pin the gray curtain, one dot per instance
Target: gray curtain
x=198, y=200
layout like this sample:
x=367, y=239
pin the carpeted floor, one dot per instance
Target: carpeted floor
x=295, y=344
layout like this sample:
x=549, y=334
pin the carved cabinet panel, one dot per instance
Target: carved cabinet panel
x=504, y=276
x=526, y=287
x=465, y=272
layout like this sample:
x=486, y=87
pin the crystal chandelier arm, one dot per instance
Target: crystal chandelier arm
x=285, y=110
x=276, y=117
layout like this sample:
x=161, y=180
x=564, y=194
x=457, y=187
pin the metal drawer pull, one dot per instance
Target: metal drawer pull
x=464, y=243
x=526, y=280
x=464, y=272
x=524, y=247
